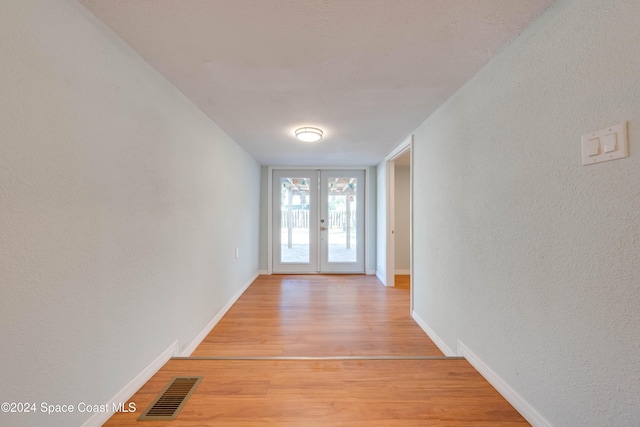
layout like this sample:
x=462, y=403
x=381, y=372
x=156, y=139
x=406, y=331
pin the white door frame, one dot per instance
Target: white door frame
x=404, y=147
x=365, y=241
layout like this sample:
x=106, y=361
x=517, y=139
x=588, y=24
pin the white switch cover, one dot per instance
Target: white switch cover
x=609, y=142
x=606, y=144
x=593, y=147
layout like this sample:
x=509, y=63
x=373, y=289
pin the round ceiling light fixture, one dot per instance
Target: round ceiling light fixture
x=308, y=134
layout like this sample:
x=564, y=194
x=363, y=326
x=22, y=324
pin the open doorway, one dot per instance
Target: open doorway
x=402, y=221
x=398, y=218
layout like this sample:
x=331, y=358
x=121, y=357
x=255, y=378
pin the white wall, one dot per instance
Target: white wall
x=119, y=212
x=526, y=257
x=402, y=219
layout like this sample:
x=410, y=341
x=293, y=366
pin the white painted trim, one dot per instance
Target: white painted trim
x=367, y=218
x=411, y=224
x=381, y=277
x=320, y=167
x=402, y=272
x=390, y=181
x=432, y=334
x=512, y=396
x=99, y=418
x=207, y=329
x=264, y=273
x=269, y=220
x=371, y=273
x=400, y=148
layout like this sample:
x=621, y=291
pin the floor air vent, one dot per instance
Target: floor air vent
x=169, y=403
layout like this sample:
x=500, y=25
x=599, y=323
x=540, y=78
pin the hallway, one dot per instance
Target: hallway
x=324, y=351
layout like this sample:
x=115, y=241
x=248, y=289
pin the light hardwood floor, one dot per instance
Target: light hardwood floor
x=403, y=281
x=311, y=315
x=338, y=316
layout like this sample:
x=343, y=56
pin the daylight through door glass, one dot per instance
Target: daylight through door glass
x=342, y=207
x=294, y=220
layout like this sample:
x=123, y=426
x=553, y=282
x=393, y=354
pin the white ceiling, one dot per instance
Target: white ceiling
x=367, y=72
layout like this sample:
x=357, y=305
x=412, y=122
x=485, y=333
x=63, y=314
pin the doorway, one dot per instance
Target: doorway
x=400, y=157
x=402, y=221
x=318, y=221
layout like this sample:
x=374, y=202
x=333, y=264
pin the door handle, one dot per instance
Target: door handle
x=323, y=228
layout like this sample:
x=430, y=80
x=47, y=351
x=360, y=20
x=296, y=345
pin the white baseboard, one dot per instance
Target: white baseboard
x=512, y=396
x=434, y=337
x=370, y=272
x=264, y=273
x=403, y=272
x=203, y=334
x=99, y=418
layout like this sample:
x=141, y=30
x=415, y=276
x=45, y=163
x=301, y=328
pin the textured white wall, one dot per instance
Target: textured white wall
x=525, y=256
x=121, y=206
x=402, y=218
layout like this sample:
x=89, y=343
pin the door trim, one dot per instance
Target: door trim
x=367, y=222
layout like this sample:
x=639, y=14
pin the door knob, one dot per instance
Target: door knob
x=323, y=228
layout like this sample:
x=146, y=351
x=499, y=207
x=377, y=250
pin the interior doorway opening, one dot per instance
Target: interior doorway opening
x=399, y=217
x=402, y=221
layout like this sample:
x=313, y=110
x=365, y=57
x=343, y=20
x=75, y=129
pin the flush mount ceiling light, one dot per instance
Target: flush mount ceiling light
x=308, y=134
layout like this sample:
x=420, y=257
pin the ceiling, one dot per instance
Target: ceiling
x=367, y=72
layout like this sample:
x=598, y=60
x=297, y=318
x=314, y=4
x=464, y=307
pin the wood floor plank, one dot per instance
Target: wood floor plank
x=311, y=315
x=403, y=281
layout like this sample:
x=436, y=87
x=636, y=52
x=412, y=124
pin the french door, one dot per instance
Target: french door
x=318, y=221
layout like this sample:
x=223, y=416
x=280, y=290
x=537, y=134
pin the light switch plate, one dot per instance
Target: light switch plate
x=612, y=141
x=593, y=147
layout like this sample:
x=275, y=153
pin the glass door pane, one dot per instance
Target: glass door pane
x=294, y=220
x=295, y=216
x=342, y=208
x=342, y=221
